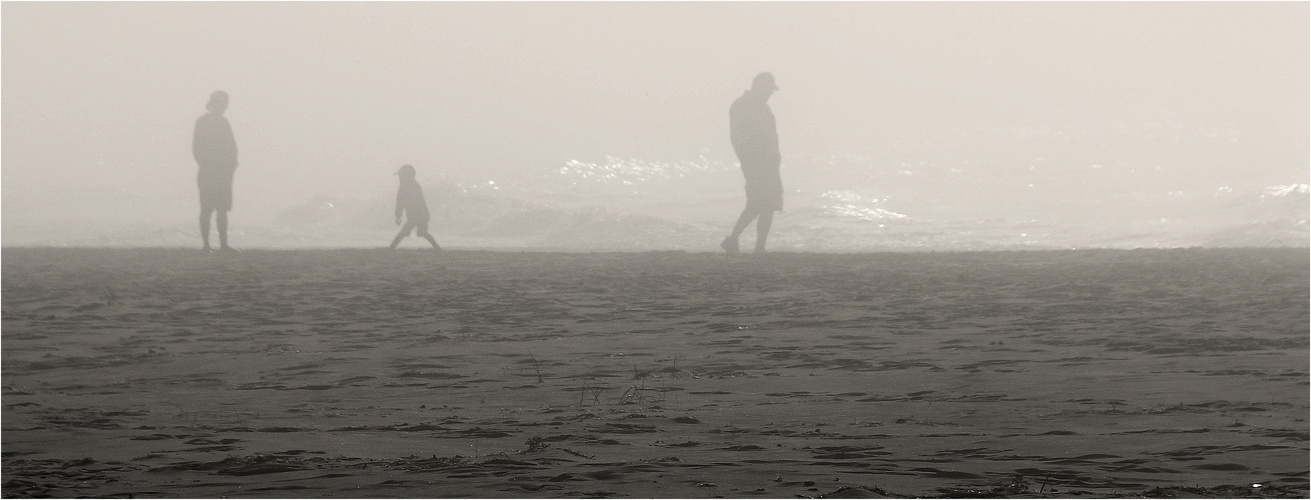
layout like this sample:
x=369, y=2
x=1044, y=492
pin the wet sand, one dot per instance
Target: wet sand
x=368, y=373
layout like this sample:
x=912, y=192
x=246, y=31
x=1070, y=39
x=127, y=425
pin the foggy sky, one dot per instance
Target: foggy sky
x=99, y=99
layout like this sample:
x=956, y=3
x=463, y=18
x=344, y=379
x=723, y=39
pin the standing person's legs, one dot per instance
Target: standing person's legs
x=205, y=211
x=215, y=198
x=221, y=222
x=206, y=203
x=222, y=204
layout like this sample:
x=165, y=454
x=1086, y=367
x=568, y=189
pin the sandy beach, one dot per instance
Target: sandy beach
x=137, y=373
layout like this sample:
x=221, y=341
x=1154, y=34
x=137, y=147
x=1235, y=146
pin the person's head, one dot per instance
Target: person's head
x=763, y=84
x=406, y=172
x=218, y=102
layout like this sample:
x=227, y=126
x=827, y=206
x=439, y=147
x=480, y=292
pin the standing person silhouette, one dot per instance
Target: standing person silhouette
x=409, y=201
x=215, y=151
x=755, y=140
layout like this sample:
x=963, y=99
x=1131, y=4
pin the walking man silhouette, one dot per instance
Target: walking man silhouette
x=755, y=140
x=215, y=151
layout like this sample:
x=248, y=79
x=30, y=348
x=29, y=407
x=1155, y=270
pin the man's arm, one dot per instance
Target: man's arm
x=737, y=134
x=753, y=136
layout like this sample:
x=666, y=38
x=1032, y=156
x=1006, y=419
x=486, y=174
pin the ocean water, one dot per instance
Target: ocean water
x=993, y=189
x=831, y=205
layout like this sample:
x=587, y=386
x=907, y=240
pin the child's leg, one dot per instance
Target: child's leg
x=422, y=230
x=432, y=240
x=405, y=231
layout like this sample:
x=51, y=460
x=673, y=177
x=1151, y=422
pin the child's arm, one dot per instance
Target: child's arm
x=400, y=207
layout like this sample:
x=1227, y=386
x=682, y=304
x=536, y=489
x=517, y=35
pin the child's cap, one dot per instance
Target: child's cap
x=406, y=170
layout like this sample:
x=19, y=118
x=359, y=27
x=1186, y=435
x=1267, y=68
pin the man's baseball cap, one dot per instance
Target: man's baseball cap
x=764, y=80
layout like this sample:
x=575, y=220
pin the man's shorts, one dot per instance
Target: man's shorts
x=215, y=188
x=764, y=190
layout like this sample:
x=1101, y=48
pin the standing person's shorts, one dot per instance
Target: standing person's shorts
x=215, y=188
x=764, y=189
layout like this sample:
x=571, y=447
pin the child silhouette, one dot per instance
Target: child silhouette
x=409, y=200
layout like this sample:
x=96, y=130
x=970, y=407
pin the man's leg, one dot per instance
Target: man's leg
x=730, y=244
x=762, y=229
x=744, y=220
x=205, y=210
